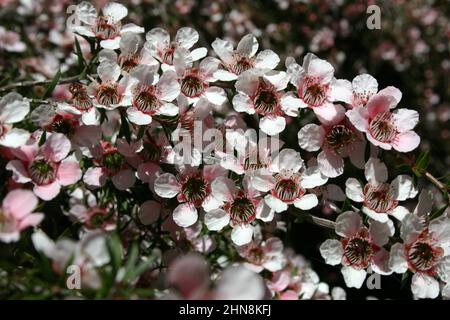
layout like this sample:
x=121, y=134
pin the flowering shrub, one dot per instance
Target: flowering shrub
x=148, y=166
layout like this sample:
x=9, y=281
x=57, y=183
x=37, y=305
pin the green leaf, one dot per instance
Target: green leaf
x=421, y=163
x=79, y=53
x=405, y=279
x=115, y=252
x=124, y=130
x=346, y=205
x=43, y=138
x=438, y=212
x=52, y=85
x=131, y=262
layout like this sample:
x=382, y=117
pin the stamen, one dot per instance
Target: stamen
x=194, y=190
x=192, y=86
x=379, y=198
x=42, y=172
x=105, y=28
x=113, y=161
x=339, y=136
x=358, y=252
x=423, y=256
x=146, y=100
x=312, y=92
x=241, y=210
x=80, y=98
x=381, y=127
x=108, y=94
x=240, y=64
x=266, y=100
x=287, y=189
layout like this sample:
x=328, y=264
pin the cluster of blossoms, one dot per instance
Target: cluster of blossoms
x=124, y=154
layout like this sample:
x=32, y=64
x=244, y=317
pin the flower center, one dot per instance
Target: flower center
x=422, y=256
x=287, y=189
x=129, y=62
x=146, y=100
x=192, y=85
x=113, y=161
x=105, y=28
x=242, y=210
x=266, y=100
x=339, y=136
x=97, y=218
x=379, y=198
x=240, y=64
x=42, y=172
x=63, y=125
x=255, y=255
x=107, y=94
x=313, y=93
x=381, y=127
x=195, y=190
x=80, y=98
x=358, y=252
x=167, y=54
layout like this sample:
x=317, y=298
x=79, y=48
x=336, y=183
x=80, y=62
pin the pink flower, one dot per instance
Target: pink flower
x=380, y=198
x=286, y=180
x=359, y=248
x=161, y=48
x=152, y=96
x=107, y=27
x=424, y=252
x=338, y=139
x=317, y=88
x=243, y=58
x=17, y=214
x=82, y=104
x=384, y=128
x=262, y=255
x=262, y=93
x=63, y=120
x=111, y=162
x=46, y=167
x=364, y=86
x=193, y=190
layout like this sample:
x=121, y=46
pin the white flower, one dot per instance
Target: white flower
x=380, y=198
x=243, y=58
x=195, y=82
x=425, y=252
x=287, y=181
x=152, y=96
x=262, y=93
x=161, y=48
x=107, y=27
x=13, y=109
x=359, y=248
x=238, y=208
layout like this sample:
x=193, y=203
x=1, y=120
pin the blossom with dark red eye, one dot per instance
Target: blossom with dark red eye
x=262, y=92
x=380, y=199
x=385, y=128
x=47, y=167
x=338, y=139
x=243, y=58
x=359, y=248
x=317, y=88
x=424, y=250
x=107, y=27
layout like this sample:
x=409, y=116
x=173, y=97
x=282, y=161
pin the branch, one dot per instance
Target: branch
x=435, y=181
x=32, y=83
x=321, y=222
